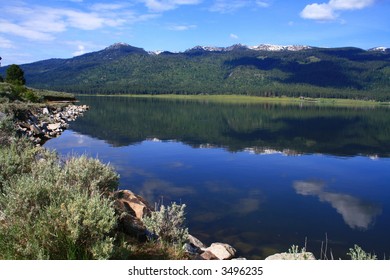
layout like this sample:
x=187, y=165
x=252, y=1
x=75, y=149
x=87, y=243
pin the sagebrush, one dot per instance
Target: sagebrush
x=52, y=209
x=168, y=223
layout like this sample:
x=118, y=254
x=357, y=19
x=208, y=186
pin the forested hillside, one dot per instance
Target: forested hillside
x=311, y=72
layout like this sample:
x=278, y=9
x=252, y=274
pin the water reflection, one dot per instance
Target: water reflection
x=357, y=213
x=259, y=128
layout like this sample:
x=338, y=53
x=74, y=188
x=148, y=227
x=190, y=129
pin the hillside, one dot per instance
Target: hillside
x=264, y=70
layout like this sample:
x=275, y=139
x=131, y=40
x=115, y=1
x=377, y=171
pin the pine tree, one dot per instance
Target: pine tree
x=15, y=75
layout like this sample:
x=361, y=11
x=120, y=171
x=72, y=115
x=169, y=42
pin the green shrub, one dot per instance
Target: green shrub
x=168, y=223
x=90, y=174
x=17, y=158
x=50, y=211
x=357, y=253
x=29, y=95
x=7, y=130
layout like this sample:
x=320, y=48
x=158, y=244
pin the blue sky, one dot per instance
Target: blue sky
x=33, y=30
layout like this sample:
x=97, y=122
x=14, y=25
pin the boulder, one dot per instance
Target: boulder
x=45, y=111
x=132, y=226
x=33, y=119
x=207, y=255
x=54, y=126
x=35, y=129
x=292, y=256
x=191, y=249
x=128, y=200
x=222, y=251
x=195, y=241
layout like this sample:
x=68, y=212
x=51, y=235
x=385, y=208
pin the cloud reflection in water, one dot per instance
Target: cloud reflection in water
x=357, y=214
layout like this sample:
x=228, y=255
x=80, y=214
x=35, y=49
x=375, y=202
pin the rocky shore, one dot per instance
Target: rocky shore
x=132, y=208
x=42, y=124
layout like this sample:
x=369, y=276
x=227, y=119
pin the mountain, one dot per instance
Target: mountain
x=266, y=70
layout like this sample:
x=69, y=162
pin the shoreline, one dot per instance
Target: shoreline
x=250, y=99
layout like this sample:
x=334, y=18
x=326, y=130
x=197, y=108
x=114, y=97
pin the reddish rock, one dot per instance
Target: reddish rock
x=132, y=203
x=207, y=255
x=222, y=251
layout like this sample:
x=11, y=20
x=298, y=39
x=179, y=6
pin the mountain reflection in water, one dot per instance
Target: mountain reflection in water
x=239, y=168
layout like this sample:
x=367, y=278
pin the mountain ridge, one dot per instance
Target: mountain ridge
x=265, y=69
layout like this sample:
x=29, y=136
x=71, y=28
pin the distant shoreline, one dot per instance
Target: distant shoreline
x=249, y=99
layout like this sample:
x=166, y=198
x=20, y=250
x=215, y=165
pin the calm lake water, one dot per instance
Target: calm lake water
x=259, y=177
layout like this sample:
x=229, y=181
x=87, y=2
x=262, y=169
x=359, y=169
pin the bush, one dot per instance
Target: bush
x=357, y=253
x=50, y=211
x=7, y=131
x=30, y=96
x=16, y=159
x=90, y=174
x=168, y=224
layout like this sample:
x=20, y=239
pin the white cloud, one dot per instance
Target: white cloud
x=228, y=6
x=166, y=5
x=350, y=4
x=80, y=50
x=5, y=43
x=182, y=27
x=320, y=12
x=107, y=7
x=328, y=11
x=356, y=213
x=233, y=36
x=23, y=31
x=263, y=4
x=42, y=23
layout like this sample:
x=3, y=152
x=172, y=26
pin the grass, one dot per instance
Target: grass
x=246, y=99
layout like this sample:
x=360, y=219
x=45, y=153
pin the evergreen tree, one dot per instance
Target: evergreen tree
x=15, y=75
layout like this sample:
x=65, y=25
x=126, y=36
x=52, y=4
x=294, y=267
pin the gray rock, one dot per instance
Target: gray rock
x=45, y=111
x=54, y=126
x=132, y=226
x=33, y=118
x=191, y=249
x=35, y=129
x=44, y=125
x=292, y=256
x=222, y=251
x=195, y=241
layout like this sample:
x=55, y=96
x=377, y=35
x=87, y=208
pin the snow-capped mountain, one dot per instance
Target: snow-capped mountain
x=379, y=49
x=262, y=47
x=269, y=47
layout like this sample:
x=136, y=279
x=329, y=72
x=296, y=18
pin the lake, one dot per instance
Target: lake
x=260, y=177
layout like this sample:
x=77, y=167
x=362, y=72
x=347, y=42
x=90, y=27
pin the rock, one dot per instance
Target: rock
x=54, y=126
x=196, y=242
x=129, y=200
x=45, y=111
x=222, y=251
x=132, y=226
x=121, y=207
x=33, y=119
x=24, y=125
x=191, y=249
x=292, y=256
x=207, y=255
x=35, y=129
